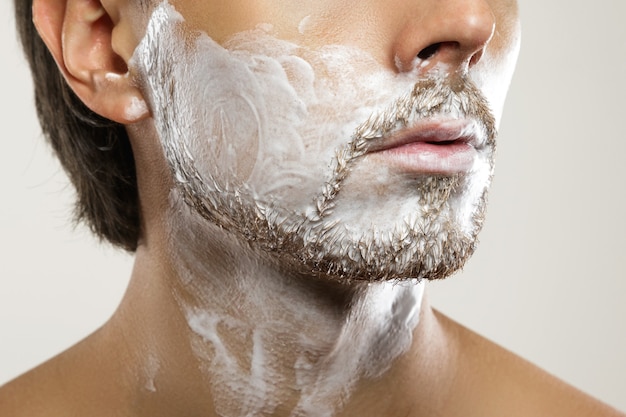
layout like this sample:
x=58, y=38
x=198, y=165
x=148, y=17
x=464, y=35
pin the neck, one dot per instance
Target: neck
x=270, y=342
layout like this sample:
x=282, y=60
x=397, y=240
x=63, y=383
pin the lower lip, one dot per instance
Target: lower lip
x=430, y=158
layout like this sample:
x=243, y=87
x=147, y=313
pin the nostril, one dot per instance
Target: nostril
x=429, y=51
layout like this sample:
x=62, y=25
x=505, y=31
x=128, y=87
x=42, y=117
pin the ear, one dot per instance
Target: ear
x=79, y=35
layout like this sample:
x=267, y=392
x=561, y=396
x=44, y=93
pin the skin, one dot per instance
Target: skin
x=142, y=361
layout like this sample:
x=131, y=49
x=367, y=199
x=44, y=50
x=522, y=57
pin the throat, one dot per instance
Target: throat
x=271, y=343
x=298, y=358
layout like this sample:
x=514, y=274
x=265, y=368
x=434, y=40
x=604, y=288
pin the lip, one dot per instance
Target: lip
x=444, y=147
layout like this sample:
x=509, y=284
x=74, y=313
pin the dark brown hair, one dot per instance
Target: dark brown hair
x=95, y=152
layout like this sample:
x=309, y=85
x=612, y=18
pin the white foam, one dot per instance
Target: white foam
x=136, y=109
x=151, y=370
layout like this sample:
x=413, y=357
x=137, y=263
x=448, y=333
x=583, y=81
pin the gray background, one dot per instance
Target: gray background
x=548, y=281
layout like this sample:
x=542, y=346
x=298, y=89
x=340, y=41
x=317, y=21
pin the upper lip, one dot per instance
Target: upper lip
x=440, y=131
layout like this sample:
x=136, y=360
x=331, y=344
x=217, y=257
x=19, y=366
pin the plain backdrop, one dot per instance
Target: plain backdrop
x=548, y=281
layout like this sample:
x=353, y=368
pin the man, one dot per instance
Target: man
x=299, y=172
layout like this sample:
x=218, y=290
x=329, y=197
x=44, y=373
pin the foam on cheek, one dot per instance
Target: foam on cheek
x=263, y=114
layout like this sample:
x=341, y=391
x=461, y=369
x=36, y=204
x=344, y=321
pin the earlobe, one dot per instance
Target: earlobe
x=78, y=33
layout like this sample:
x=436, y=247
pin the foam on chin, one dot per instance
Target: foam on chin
x=253, y=130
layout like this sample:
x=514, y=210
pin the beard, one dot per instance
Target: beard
x=229, y=119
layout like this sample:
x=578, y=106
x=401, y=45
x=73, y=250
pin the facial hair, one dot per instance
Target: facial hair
x=430, y=236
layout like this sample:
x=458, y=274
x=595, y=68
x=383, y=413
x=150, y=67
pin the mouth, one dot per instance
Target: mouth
x=444, y=147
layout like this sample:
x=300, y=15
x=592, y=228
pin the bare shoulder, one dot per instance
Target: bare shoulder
x=76, y=382
x=34, y=394
x=493, y=381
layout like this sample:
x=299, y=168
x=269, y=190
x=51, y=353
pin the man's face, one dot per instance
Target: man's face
x=350, y=138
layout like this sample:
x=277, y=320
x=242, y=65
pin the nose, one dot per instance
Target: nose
x=454, y=33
